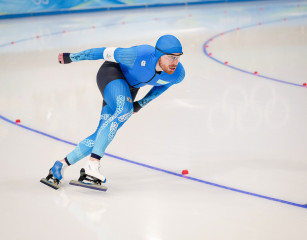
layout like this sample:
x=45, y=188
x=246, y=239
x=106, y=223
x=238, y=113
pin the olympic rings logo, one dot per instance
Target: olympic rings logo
x=246, y=112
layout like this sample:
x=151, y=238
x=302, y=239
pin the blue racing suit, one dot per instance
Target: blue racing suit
x=138, y=66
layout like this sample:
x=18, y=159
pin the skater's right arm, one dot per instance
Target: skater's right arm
x=125, y=56
x=90, y=54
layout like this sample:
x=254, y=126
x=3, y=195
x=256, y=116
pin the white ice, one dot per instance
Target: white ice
x=225, y=126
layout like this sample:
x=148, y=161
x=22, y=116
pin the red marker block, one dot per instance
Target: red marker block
x=226, y=63
x=305, y=84
x=225, y=12
x=256, y=73
x=123, y=22
x=17, y=121
x=207, y=46
x=222, y=34
x=285, y=19
x=210, y=54
x=156, y=19
x=211, y=39
x=260, y=24
x=93, y=27
x=37, y=37
x=190, y=15
x=261, y=9
x=185, y=172
x=12, y=42
x=238, y=28
x=64, y=31
x=298, y=5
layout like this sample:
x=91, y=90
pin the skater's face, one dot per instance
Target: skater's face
x=169, y=63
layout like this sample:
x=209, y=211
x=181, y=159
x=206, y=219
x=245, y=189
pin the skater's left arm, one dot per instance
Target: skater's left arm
x=124, y=56
x=155, y=92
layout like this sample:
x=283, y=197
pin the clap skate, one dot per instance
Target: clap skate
x=54, y=176
x=90, y=177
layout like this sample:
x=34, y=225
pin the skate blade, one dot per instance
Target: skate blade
x=88, y=185
x=50, y=184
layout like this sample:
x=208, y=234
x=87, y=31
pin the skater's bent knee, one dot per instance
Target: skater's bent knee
x=126, y=113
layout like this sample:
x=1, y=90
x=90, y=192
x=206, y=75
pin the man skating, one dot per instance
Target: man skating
x=119, y=78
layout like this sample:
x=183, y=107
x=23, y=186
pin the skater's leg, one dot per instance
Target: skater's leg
x=85, y=147
x=118, y=97
x=117, y=111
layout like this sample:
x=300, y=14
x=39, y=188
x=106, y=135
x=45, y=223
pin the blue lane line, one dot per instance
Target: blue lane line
x=36, y=131
x=163, y=170
x=242, y=70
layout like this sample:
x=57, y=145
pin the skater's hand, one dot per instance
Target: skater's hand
x=64, y=58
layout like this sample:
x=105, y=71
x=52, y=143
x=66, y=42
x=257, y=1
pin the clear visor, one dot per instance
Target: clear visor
x=173, y=57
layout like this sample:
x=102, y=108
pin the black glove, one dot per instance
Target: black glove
x=136, y=106
x=66, y=57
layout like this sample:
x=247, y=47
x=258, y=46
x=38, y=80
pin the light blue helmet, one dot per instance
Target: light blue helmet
x=167, y=44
